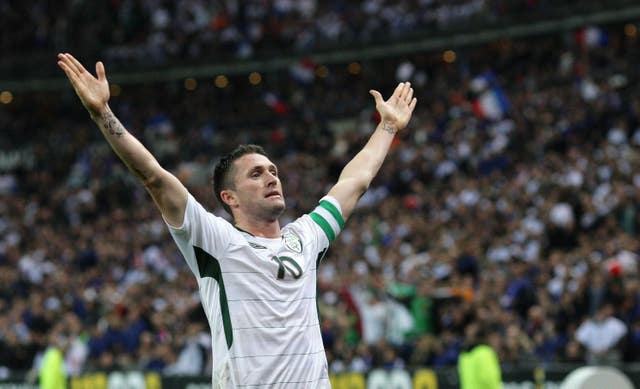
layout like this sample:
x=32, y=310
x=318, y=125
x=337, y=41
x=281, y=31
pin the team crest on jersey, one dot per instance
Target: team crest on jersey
x=292, y=241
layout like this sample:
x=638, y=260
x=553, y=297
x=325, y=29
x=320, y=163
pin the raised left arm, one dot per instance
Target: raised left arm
x=360, y=171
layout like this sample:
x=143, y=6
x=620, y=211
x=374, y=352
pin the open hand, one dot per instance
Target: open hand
x=397, y=110
x=93, y=92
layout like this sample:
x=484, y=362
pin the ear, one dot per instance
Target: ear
x=229, y=197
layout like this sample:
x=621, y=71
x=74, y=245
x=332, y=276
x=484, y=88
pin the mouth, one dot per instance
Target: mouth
x=273, y=194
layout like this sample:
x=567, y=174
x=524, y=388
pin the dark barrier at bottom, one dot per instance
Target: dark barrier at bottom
x=518, y=378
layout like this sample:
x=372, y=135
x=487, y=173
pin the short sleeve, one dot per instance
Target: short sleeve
x=202, y=229
x=328, y=216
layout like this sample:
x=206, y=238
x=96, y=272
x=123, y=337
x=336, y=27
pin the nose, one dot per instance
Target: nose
x=272, y=179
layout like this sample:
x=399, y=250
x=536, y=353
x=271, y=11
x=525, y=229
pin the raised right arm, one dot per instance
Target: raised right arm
x=166, y=190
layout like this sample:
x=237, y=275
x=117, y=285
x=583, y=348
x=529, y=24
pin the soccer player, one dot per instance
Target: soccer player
x=257, y=279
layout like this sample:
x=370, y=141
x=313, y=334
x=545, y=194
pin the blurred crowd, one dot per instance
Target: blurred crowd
x=523, y=223
x=152, y=32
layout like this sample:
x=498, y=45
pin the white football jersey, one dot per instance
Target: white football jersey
x=259, y=295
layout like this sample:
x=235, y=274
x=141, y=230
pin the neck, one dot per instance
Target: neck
x=259, y=227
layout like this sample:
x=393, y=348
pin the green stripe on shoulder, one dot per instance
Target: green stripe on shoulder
x=333, y=211
x=328, y=231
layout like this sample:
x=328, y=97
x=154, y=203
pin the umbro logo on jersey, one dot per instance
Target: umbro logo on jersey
x=292, y=241
x=257, y=246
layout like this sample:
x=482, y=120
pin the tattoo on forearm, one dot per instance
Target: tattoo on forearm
x=112, y=124
x=391, y=129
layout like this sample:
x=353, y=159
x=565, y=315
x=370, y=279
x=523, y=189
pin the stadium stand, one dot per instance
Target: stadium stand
x=511, y=201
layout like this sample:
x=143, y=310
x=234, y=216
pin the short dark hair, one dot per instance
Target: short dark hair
x=222, y=177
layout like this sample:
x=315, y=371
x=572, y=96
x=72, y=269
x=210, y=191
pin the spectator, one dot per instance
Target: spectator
x=478, y=364
x=601, y=336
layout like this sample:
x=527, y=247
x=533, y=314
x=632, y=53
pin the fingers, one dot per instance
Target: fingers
x=406, y=93
x=412, y=104
x=71, y=75
x=377, y=96
x=69, y=67
x=72, y=65
x=78, y=66
x=403, y=93
x=65, y=64
x=100, y=71
x=397, y=92
x=408, y=96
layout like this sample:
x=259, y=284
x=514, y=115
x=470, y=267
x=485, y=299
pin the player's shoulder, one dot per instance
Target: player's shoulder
x=327, y=216
x=205, y=226
x=320, y=226
x=195, y=206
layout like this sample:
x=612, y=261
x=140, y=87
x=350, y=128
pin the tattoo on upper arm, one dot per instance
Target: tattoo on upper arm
x=112, y=124
x=391, y=129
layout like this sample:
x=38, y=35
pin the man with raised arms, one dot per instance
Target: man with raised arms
x=257, y=279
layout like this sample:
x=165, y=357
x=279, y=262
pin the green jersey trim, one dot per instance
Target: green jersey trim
x=208, y=266
x=333, y=211
x=328, y=231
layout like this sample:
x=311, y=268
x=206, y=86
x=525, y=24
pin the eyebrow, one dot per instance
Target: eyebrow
x=263, y=167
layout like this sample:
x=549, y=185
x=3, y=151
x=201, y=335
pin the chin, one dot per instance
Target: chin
x=277, y=210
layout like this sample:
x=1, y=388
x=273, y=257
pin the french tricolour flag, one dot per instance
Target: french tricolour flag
x=592, y=37
x=491, y=104
x=490, y=101
x=304, y=71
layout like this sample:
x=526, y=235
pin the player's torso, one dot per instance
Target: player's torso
x=270, y=287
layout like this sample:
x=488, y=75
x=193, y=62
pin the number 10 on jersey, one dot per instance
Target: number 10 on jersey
x=287, y=265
